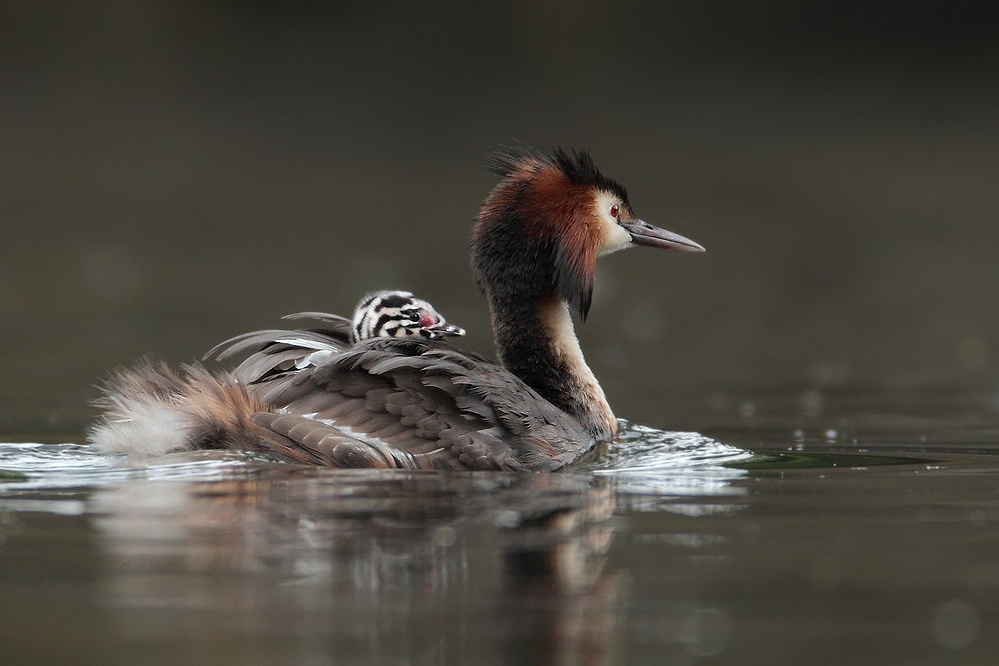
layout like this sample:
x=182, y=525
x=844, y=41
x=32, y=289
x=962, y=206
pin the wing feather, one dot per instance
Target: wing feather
x=402, y=402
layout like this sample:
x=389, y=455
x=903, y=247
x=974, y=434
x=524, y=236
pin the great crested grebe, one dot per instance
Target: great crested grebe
x=417, y=402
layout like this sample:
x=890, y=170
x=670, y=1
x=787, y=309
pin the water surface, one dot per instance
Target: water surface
x=765, y=543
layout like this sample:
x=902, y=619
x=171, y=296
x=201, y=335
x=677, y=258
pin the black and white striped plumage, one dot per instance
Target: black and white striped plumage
x=319, y=396
x=399, y=314
x=380, y=314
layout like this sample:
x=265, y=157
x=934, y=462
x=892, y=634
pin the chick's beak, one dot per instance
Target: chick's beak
x=444, y=329
x=643, y=233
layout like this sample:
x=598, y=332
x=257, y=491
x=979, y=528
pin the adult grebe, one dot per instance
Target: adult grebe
x=420, y=403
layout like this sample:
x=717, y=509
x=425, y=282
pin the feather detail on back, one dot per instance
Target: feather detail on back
x=403, y=403
x=433, y=406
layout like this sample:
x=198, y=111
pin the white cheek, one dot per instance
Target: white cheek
x=614, y=236
x=617, y=239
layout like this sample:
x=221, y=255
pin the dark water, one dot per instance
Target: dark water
x=877, y=542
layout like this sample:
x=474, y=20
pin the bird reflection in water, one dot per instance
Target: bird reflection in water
x=367, y=565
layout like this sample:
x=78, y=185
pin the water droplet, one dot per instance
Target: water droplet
x=812, y=402
x=829, y=373
x=445, y=536
x=509, y=518
x=955, y=624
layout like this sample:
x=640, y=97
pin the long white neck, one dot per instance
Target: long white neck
x=541, y=347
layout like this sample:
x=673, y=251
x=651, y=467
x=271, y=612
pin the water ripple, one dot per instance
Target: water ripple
x=651, y=462
x=641, y=461
x=31, y=466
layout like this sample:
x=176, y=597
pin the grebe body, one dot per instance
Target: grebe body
x=346, y=396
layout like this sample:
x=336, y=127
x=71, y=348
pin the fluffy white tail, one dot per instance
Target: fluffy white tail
x=150, y=410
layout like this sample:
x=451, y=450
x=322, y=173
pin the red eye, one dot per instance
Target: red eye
x=614, y=210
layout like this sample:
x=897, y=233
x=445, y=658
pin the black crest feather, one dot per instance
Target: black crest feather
x=577, y=165
x=507, y=158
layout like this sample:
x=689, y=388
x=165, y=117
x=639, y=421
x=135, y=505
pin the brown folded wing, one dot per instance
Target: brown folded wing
x=410, y=403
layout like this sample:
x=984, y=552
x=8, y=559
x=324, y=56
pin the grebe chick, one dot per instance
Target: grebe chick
x=416, y=402
x=399, y=314
x=390, y=313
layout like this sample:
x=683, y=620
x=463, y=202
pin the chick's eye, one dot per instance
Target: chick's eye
x=614, y=210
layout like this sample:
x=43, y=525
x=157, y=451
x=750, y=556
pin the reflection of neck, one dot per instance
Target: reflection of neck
x=539, y=345
x=550, y=562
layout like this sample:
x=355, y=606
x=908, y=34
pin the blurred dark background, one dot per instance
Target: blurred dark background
x=173, y=173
